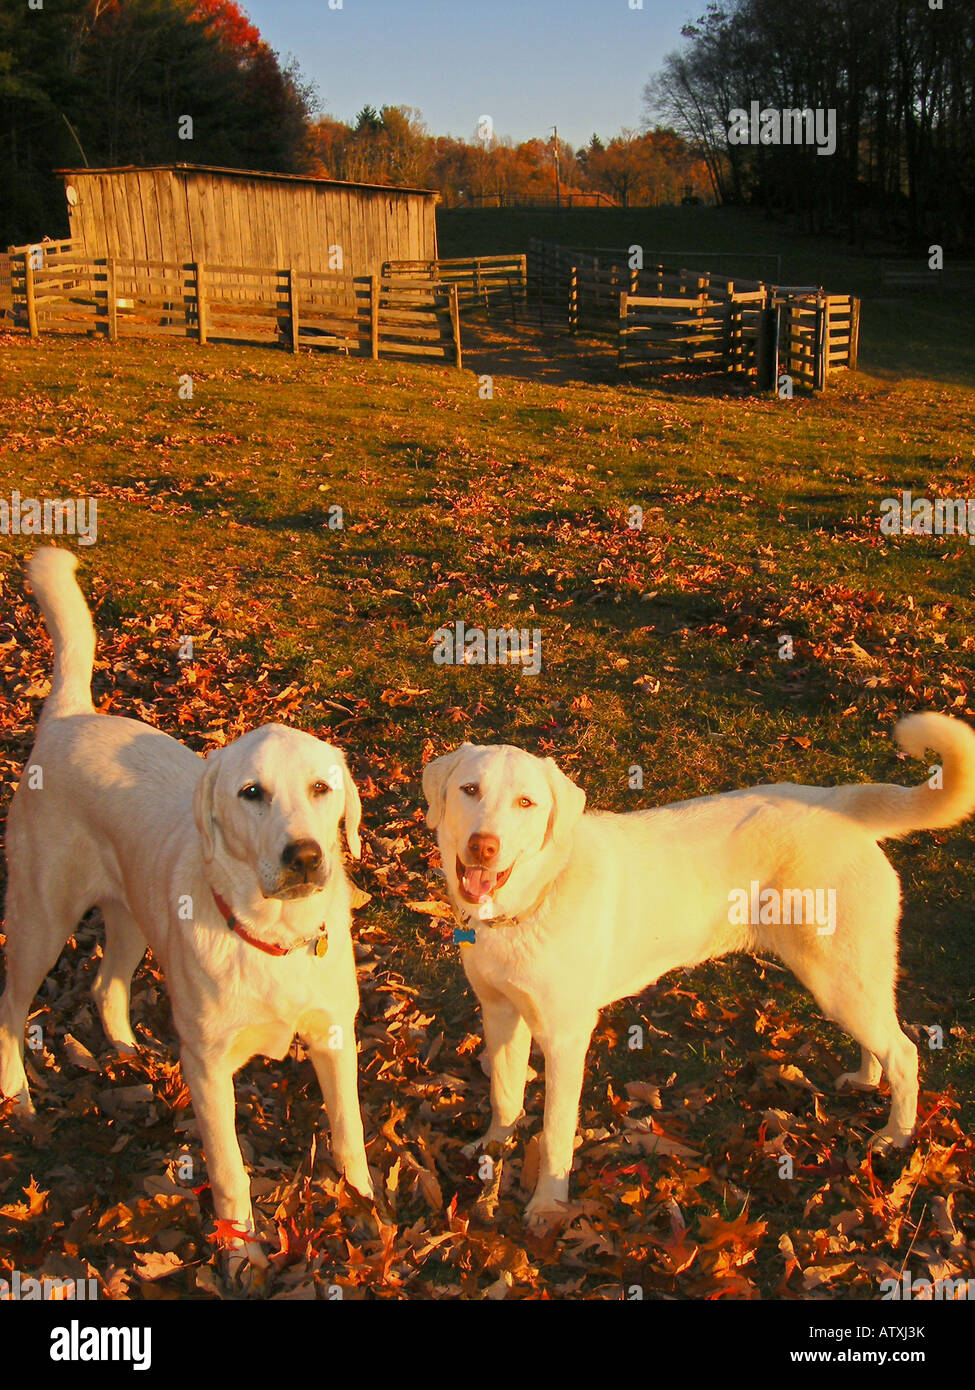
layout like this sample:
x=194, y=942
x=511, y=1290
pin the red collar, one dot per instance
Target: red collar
x=320, y=940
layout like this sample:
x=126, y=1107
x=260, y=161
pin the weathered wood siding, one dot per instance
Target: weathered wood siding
x=224, y=218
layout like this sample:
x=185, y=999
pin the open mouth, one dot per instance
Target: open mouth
x=476, y=884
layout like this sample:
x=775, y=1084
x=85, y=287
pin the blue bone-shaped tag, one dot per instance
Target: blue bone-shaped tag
x=462, y=934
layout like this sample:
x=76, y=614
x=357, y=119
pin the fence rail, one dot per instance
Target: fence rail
x=577, y=286
x=700, y=334
x=54, y=290
x=539, y=201
x=688, y=319
x=816, y=335
x=914, y=275
x=479, y=279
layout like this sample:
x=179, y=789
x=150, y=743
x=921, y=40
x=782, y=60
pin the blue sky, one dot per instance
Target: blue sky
x=580, y=64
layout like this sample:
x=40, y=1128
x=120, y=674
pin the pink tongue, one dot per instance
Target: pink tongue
x=479, y=883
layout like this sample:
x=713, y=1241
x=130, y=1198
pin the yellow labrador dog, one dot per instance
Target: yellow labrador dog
x=230, y=869
x=566, y=912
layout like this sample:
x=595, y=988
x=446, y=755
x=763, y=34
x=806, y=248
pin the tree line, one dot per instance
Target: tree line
x=107, y=82
x=112, y=82
x=900, y=76
x=392, y=145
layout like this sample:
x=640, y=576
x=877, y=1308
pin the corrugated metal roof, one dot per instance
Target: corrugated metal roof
x=247, y=174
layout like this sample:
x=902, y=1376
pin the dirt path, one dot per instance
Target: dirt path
x=496, y=346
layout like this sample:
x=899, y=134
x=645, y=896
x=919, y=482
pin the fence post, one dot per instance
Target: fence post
x=455, y=324
x=201, y=305
x=112, y=299
x=295, y=322
x=821, y=338
x=781, y=313
x=621, y=344
x=374, y=317
x=730, y=326
x=29, y=293
x=854, y=333
x=764, y=356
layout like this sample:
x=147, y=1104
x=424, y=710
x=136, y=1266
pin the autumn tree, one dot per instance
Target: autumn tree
x=111, y=81
x=900, y=79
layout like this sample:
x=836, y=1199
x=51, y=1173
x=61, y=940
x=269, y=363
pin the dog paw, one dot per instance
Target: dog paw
x=479, y=1145
x=361, y=1181
x=19, y=1108
x=889, y=1140
x=545, y=1213
x=497, y=1134
x=855, y=1082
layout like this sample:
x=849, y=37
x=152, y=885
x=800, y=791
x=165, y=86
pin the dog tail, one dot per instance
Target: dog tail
x=948, y=796
x=68, y=621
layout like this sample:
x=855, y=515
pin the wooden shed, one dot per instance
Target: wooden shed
x=238, y=217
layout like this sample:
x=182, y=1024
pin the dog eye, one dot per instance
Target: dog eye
x=525, y=802
x=320, y=788
x=469, y=789
x=252, y=792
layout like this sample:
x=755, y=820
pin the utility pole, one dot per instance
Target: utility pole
x=558, y=186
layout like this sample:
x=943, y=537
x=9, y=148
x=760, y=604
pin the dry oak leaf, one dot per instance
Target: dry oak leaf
x=432, y=909
x=815, y=1275
x=644, y=1093
x=651, y=1139
x=741, y=1234
x=153, y=1264
x=23, y=1211
x=78, y=1055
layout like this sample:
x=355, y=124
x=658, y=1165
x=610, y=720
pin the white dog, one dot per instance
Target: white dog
x=568, y=912
x=230, y=869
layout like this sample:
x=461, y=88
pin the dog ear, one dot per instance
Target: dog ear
x=352, y=812
x=568, y=803
x=203, y=807
x=435, y=776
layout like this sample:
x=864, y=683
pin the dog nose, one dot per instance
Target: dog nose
x=305, y=855
x=484, y=848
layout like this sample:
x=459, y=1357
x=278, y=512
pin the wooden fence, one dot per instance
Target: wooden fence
x=695, y=320
x=578, y=287
x=539, y=201
x=765, y=334
x=55, y=291
x=479, y=279
x=6, y=295
x=732, y=334
x=955, y=277
x=816, y=334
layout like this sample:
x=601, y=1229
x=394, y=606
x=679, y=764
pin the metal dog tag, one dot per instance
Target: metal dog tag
x=321, y=945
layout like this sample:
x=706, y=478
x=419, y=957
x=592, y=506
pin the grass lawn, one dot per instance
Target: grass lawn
x=660, y=649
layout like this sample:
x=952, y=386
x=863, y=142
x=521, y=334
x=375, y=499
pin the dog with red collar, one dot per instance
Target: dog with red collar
x=229, y=868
